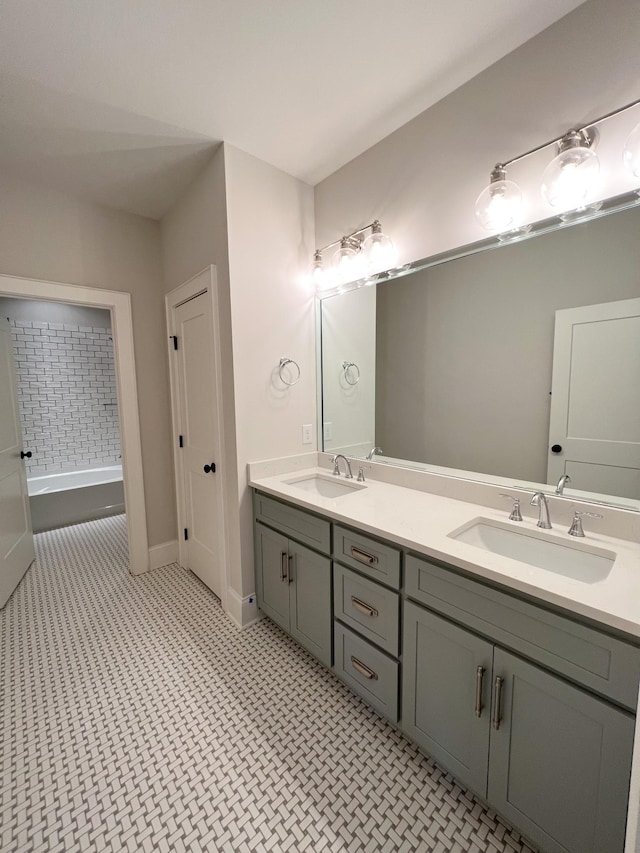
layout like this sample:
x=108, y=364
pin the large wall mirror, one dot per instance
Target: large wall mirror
x=514, y=365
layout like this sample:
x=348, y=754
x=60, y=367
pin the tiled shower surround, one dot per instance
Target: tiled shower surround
x=67, y=395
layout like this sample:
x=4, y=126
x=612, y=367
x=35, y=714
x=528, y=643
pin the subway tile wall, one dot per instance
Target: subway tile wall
x=67, y=395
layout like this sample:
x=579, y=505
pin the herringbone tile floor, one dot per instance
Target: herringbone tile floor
x=136, y=717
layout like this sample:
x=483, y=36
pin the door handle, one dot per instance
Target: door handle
x=479, y=677
x=26, y=455
x=210, y=469
x=497, y=698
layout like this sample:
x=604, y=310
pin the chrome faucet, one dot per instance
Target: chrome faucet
x=372, y=452
x=336, y=466
x=562, y=482
x=540, y=501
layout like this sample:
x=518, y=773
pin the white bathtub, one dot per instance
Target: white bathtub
x=75, y=496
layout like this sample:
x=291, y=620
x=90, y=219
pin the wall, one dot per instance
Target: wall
x=270, y=226
x=66, y=391
x=47, y=235
x=473, y=341
x=54, y=312
x=422, y=181
x=194, y=235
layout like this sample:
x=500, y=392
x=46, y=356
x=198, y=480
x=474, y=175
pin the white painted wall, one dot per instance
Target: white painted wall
x=54, y=312
x=45, y=234
x=270, y=226
x=422, y=181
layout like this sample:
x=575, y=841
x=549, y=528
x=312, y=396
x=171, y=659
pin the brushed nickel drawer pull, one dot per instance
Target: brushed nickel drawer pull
x=497, y=697
x=362, y=669
x=479, y=677
x=363, y=557
x=367, y=609
x=283, y=566
x=290, y=569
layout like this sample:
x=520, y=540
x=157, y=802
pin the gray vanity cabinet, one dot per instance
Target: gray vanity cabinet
x=560, y=760
x=293, y=587
x=447, y=694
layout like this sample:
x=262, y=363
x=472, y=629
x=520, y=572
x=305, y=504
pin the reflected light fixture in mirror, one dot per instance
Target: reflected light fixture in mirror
x=570, y=179
x=499, y=206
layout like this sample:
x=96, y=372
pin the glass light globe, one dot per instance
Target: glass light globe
x=346, y=263
x=631, y=152
x=499, y=206
x=379, y=252
x=570, y=178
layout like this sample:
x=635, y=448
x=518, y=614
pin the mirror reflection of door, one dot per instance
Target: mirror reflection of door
x=16, y=537
x=595, y=402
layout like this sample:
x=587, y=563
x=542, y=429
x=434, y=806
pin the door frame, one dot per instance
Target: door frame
x=119, y=304
x=204, y=282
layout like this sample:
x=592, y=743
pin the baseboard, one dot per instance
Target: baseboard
x=163, y=554
x=243, y=611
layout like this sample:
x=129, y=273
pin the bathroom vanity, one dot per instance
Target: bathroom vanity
x=519, y=680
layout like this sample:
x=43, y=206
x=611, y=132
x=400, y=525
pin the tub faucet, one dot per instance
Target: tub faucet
x=372, y=452
x=562, y=482
x=540, y=501
x=336, y=466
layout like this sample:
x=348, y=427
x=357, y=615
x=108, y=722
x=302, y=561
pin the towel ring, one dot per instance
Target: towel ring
x=348, y=366
x=283, y=363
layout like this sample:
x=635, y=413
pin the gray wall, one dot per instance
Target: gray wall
x=464, y=350
x=54, y=312
x=45, y=234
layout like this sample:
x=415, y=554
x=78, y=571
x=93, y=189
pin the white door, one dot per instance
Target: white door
x=197, y=422
x=594, y=430
x=16, y=538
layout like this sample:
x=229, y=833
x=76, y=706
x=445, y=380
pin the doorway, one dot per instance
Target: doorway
x=119, y=306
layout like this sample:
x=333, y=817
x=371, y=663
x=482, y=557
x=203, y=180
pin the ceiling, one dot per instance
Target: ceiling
x=123, y=102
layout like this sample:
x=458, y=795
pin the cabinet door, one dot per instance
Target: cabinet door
x=446, y=694
x=272, y=583
x=560, y=761
x=310, y=601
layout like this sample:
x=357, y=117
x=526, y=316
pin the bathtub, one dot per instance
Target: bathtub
x=73, y=496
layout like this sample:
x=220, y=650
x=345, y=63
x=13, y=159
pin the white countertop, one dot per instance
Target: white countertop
x=420, y=521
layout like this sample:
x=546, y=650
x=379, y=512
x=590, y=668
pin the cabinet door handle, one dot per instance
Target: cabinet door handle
x=363, y=557
x=362, y=669
x=367, y=609
x=479, y=677
x=290, y=569
x=497, y=699
x=283, y=566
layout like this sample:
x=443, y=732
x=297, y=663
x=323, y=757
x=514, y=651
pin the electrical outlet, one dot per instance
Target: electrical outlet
x=307, y=433
x=328, y=430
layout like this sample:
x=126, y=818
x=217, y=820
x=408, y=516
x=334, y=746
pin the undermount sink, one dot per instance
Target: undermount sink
x=579, y=561
x=325, y=486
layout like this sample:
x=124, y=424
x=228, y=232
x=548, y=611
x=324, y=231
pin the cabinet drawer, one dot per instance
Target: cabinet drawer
x=294, y=522
x=381, y=562
x=369, y=608
x=367, y=670
x=602, y=663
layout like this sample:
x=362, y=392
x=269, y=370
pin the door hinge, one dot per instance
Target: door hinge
x=186, y=534
x=174, y=338
x=180, y=441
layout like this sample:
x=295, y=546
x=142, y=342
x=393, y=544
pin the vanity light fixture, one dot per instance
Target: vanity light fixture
x=631, y=152
x=355, y=258
x=499, y=206
x=570, y=179
x=568, y=182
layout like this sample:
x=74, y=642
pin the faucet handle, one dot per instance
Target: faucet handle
x=576, y=525
x=336, y=469
x=515, y=514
